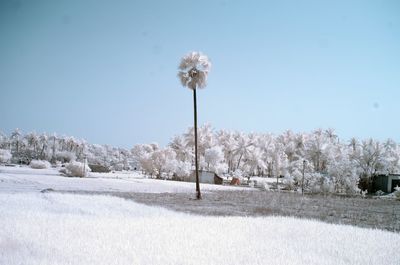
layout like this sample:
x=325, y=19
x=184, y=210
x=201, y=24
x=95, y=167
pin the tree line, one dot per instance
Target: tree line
x=317, y=161
x=58, y=149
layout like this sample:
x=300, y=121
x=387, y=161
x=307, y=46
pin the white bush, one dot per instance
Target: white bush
x=265, y=186
x=65, y=156
x=289, y=182
x=397, y=192
x=118, y=167
x=5, y=155
x=39, y=164
x=77, y=169
x=213, y=158
x=321, y=184
x=183, y=169
x=238, y=174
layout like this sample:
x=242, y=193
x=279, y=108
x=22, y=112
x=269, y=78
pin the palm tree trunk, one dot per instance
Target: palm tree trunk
x=240, y=158
x=195, y=145
x=302, y=179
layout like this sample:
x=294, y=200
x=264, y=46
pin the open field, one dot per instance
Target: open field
x=217, y=200
x=54, y=228
x=361, y=212
x=25, y=179
x=127, y=219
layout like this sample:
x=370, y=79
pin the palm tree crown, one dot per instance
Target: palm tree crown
x=194, y=68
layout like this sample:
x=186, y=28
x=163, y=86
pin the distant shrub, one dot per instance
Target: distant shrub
x=289, y=183
x=364, y=193
x=63, y=171
x=99, y=168
x=238, y=174
x=77, y=169
x=65, y=156
x=321, y=184
x=39, y=164
x=5, y=155
x=397, y=192
x=118, y=167
x=265, y=186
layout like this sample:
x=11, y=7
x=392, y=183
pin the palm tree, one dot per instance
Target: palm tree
x=194, y=68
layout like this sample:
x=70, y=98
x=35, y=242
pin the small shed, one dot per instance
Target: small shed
x=205, y=177
x=218, y=180
x=386, y=183
x=99, y=168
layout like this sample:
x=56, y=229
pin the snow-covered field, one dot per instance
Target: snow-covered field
x=57, y=228
x=22, y=179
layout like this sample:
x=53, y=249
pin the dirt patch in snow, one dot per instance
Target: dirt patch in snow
x=361, y=212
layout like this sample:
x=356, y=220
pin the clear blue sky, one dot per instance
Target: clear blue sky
x=106, y=70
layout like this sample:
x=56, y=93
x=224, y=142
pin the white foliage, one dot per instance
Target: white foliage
x=238, y=174
x=342, y=171
x=345, y=166
x=321, y=183
x=213, y=156
x=182, y=151
x=118, y=167
x=266, y=186
x=397, y=192
x=369, y=158
x=65, y=156
x=194, y=68
x=391, y=157
x=182, y=169
x=220, y=168
x=77, y=169
x=39, y=164
x=142, y=153
x=162, y=161
x=254, y=160
x=289, y=182
x=5, y=155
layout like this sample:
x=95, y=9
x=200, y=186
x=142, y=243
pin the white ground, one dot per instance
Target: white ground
x=22, y=179
x=53, y=228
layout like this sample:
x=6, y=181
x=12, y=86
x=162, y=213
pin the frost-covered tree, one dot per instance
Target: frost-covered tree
x=242, y=147
x=63, y=149
x=368, y=158
x=391, y=157
x=15, y=141
x=33, y=143
x=342, y=171
x=4, y=141
x=142, y=153
x=43, y=144
x=155, y=161
x=182, y=169
x=266, y=144
x=194, y=68
x=205, y=140
x=288, y=144
x=163, y=161
x=227, y=142
x=5, y=155
x=316, y=146
x=254, y=161
x=214, y=159
x=331, y=165
x=182, y=151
